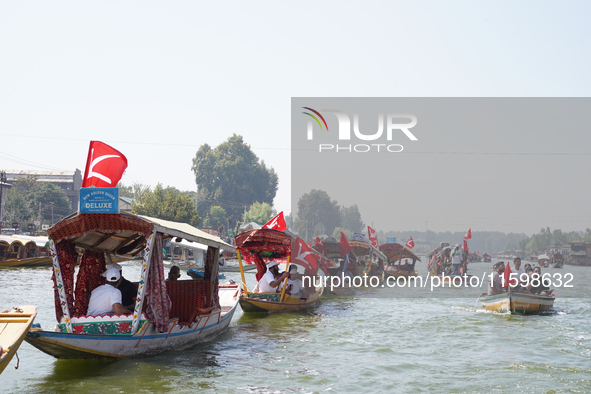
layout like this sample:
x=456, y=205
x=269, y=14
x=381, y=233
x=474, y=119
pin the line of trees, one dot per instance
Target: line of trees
x=28, y=201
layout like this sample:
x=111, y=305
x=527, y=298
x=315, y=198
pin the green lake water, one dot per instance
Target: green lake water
x=366, y=343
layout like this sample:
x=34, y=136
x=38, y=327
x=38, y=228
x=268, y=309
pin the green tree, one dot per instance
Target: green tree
x=231, y=176
x=316, y=208
x=132, y=190
x=216, y=217
x=351, y=219
x=29, y=200
x=165, y=203
x=259, y=213
x=336, y=234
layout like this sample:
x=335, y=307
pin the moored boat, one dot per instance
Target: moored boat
x=260, y=246
x=167, y=314
x=557, y=261
x=517, y=303
x=14, y=325
x=20, y=251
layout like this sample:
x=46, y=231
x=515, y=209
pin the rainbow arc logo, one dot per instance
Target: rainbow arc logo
x=315, y=118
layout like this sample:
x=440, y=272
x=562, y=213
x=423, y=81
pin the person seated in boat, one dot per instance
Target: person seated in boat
x=495, y=285
x=174, y=273
x=539, y=288
x=456, y=260
x=518, y=270
x=127, y=288
x=271, y=280
x=106, y=299
x=294, y=283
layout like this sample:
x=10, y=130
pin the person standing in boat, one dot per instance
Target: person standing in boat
x=456, y=260
x=269, y=283
x=106, y=299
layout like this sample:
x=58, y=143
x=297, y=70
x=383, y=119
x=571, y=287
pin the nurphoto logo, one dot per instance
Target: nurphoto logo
x=393, y=127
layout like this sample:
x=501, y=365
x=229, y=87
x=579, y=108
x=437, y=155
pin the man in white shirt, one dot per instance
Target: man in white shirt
x=269, y=283
x=106, y=299
x=456, y=260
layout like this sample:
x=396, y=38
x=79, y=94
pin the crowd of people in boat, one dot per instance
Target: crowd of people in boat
x=525, y=280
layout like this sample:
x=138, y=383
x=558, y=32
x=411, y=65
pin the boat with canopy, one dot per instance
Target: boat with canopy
x=167, y=314
x=396, y=253
x=19, y=251
x=260, y=246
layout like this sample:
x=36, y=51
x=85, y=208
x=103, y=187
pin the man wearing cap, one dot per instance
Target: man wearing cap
x=128, y=289
x=271, y=280
x=106, y=299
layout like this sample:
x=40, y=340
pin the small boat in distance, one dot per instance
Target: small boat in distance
x=517, y=303
x=557, y=261
x=544, y=260
x=14, y=325
x=396, y=253
x=19, y=251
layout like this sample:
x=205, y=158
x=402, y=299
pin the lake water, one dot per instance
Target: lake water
x=366, y=343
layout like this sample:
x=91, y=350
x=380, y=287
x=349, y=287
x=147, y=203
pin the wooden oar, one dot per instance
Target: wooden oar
x=285, y=283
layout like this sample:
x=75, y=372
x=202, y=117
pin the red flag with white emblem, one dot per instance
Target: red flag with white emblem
x=410, y=243
x=104, y=166
x=466, y=246
x=302, y=255
x=277, y=223
x=468, y=234
x=373, y=238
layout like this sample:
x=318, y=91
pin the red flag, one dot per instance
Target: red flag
x=319, y=245
x=302, y=255
x=104, y=166
x=373, y=238
x=344, y=247
x=507, y=276
x=468, y=234
x=466, y=246
x=410, y=243
x=277, y=223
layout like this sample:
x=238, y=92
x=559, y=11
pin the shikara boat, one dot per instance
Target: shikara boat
x=260, y=246
x=544, y=260
x=18, y=251
x=517, y=303
x=557, y=261
x=167, y=315
x=396, y=253
x=14, y=325
x=370, y=259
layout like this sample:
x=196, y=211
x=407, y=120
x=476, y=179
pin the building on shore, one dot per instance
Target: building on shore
x=580, y=253
x=69, y=181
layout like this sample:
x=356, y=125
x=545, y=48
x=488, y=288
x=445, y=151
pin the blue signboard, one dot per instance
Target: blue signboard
x=391, y=240
x=99, y=200
x=358, y=237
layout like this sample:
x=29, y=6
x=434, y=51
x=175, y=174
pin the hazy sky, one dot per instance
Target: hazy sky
x=158, y=79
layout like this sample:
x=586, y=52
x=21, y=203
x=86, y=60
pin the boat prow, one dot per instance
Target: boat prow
x=14, y=325
x=517, y=303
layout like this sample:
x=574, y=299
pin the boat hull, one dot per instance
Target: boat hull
x=14, y=326
x=290, y=304
x=517, y=303
x=145, y=342
x=28, y=262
